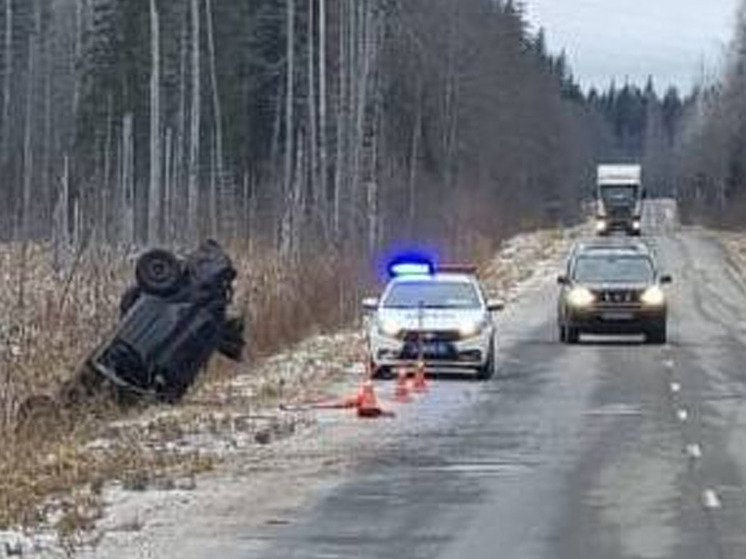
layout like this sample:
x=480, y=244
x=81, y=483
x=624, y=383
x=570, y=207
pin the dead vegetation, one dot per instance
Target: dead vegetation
x=55, y=310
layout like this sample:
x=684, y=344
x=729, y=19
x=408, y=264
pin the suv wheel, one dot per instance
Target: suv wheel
x=158, y=272
x=657, y=334
x=572, y=335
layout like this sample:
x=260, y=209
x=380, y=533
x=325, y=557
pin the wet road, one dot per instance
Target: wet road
x=610, y=449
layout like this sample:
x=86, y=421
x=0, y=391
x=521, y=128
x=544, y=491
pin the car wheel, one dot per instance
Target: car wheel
x=572, y=335
x=488, y=370
x=380, y=373
x=657, y=335
x=158, y=272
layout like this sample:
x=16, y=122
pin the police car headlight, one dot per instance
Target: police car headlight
x=580, y=297
x=389, y=328
x=601, y=225
x=472, y=328
x=653, y=297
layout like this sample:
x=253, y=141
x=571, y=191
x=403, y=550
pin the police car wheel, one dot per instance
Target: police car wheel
x=488, y=370
x=572, y=335
x=381, y=373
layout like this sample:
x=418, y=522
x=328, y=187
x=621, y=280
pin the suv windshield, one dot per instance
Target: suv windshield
x=613, y=269
x=619, y=195
x=434, y=295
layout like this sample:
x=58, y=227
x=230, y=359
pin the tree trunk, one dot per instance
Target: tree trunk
x=287, y=197
x=322, y=129
x=194, y=145
x=127, y=183
x=312, y=107
x=216, y=190
x=7, y=77
x=342, y=108
x=154, y=192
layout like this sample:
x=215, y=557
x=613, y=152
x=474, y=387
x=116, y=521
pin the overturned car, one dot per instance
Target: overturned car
x=171, y=322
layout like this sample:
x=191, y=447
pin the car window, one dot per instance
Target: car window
x=613, y=269
x=442, y=295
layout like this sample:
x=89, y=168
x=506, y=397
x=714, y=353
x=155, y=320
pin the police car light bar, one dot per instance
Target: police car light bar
x=411, y=269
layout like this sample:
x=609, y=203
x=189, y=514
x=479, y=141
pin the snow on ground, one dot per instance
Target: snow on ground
x=268, y=461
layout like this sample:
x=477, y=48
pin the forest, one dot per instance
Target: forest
x=300, y=125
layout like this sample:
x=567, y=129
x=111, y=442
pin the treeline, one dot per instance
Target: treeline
x=712, y=161
x=643, y=125
x=302, y=124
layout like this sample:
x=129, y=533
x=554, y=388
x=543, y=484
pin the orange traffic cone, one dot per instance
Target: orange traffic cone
x=420, y=382
x=368, y=403
x=401, y=392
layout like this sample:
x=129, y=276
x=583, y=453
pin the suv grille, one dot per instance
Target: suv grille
x=618, y=296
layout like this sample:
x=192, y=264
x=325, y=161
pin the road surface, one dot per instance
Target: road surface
x=610, y=449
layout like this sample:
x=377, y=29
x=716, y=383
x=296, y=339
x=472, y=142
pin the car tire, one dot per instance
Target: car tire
x=572, y=335
x=380, y=373
x=488, y=370
x=158, y=272
x=657, y=335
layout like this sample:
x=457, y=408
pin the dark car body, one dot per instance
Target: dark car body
x=172, y=321
x=602, y=303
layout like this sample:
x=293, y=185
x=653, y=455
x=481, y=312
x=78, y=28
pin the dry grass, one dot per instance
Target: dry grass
x=53, y=316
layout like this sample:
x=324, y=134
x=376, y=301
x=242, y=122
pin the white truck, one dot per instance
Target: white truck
x=619, y=196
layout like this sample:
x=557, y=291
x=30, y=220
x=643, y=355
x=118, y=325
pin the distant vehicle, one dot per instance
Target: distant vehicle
x=439, y=316
x=613, y=289
x=619, y=196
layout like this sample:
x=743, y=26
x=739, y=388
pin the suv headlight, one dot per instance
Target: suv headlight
x=653, y=297
x=636, y=224
x=601, y=225
x=389, y=327
x=580, y=297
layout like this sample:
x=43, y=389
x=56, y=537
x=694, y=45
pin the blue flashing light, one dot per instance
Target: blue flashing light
x=411, y=269
x=411, y=265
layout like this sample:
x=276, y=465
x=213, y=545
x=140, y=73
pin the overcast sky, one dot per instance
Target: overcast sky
x=672, y=40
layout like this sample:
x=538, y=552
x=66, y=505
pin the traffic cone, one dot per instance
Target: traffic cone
x=401, y=392
x=420, y=382
x=368, y=403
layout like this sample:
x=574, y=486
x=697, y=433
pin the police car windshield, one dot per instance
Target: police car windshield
x=432, y=295
x=613, y=269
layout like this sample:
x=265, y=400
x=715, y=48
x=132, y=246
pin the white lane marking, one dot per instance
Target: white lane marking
x=675, y=387
x=711, y=500
x=682, y=414
x=669, y=363
x=694, y=450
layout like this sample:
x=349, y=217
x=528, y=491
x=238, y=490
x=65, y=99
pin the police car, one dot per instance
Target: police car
x=437, y=315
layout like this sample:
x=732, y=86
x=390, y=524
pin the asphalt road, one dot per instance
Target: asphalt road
x=610, y=449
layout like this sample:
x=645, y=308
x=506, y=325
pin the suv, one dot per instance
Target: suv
x=440, y=317
x=172, y=320
x=612, y=289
